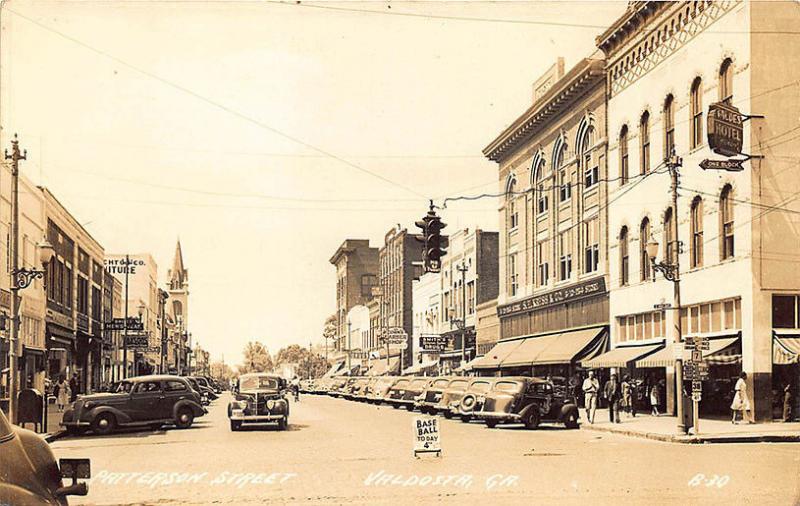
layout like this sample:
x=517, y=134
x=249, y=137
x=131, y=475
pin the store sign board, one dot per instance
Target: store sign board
x=435, y=343
x=568, y=293
x=725, y=129
x=137, y=341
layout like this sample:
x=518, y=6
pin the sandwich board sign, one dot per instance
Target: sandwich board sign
x=426, y=435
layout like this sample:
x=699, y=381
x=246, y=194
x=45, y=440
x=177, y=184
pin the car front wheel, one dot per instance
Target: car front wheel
x=491, y=423
x=466, y=418
x=184, y=418
x=532, y=422
x=235, y=425
x=572, y=420
x=283, y=423
x=104, y=424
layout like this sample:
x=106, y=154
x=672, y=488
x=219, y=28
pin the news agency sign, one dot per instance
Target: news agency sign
x=568, y=293
x=725, y=129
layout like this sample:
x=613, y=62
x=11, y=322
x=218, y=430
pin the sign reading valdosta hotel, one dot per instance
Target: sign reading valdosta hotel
x=568, y=293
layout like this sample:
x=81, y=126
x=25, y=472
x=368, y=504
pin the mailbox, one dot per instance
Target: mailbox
x=30, y=407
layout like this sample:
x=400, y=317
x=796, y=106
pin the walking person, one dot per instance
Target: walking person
x=740, y=400
x=627, y=398
x=613, y=392
x=73, y=387
x=787, y=402
x=61, y=392
x=655, y=399
x=590, y=388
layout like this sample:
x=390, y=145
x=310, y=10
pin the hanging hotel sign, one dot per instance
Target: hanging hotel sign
x=725, y=129
x=566, y=294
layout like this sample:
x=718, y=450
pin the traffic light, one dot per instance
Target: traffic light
x=432, y=251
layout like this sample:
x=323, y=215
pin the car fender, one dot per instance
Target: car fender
x=197, y=409
x=567, y=410
x=19, y=495
x=523, y=413
x=42, y=458
x=120, y=415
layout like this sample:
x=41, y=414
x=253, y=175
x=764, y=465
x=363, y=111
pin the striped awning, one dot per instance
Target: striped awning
x=720, y=351
x=334, y=369
x=496, y=355
x=621, y=356
x=544, y=349
x=785, y=348
x=380, y=368
x=421, y=366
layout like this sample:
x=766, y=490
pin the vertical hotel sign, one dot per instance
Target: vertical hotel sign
x=725, y=129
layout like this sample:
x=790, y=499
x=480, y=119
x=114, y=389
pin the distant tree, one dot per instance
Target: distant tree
x=256, y=358
x=221, y=371
x=305, y=363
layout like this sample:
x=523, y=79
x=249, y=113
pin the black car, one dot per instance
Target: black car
x=141, y=401
x=529, y=401
x=261, y=398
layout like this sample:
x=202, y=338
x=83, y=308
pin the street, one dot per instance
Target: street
x=338, y=451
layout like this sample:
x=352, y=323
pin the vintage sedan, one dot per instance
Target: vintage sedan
x=529, y=401
x=364, y=392
x=261, y=399
x=380, y=389
x=337, y=387
x=451, y=396
x=29, y=473
x=473, y=398
x=141, y=401
x=406, y=390
x=431, y=396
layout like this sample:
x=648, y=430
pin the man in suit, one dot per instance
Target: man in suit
x=612, y=392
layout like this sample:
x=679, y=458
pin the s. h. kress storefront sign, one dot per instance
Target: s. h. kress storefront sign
x=568, y=293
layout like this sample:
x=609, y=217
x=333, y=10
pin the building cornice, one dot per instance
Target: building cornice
x=636, y=15
x=586, y=74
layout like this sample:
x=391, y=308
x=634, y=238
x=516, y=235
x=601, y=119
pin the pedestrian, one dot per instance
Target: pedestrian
x=627, y=397
x=787, y=402
x=740, y=400
x=655, y=399
x=613, y=392
x=73, y=387
x=590, y=388
x=61, y=392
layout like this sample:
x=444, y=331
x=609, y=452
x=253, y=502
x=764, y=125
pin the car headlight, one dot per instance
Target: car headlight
x=270, y=404
x=88, y=405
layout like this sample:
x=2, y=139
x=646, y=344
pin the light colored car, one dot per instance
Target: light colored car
x=473, y=398
x=261, y=398
x=451, y=396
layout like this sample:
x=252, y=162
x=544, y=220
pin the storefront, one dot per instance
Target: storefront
x=451, y=358
x=785, y=371
x=60, y=351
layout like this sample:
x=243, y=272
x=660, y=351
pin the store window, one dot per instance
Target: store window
x=785, y=311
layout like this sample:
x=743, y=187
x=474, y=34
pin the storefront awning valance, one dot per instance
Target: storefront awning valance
x=469, y=365
x=785, y=349
x=422, y=366
x=380, y=368
x=621, y=356
x=497, y=354
x=720, y=351
x=333, y=370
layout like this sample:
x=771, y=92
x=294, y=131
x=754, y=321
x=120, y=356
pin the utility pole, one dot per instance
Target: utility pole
x=13, y=365
x=674, y=163
x=463, y=267
x=125, y=329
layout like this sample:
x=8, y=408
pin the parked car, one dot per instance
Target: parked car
x=205, y=387
x=473, y=398
x=451, y=396
x=29, y=473
x=337, y=386
x=529, y=401
x=351, y=387
x=431, y=396
x=380, y=390
x=365, y=389
x=406, y=390
x=204, y=400
x=144, y=400
x=261, y=399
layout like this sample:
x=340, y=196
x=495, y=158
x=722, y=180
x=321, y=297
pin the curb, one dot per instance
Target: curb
x=702, y=439
x=54, y=436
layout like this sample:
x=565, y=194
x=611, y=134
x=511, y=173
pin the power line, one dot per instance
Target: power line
x=215, y=104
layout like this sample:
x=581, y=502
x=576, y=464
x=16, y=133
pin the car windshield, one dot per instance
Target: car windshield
x=440, y=383
x=420, y=383
x=258, y=382
x=480, y=386
x=507, y=386
x=123, y=387
x=458, y=385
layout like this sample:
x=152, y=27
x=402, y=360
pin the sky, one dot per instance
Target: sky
x=264, y=134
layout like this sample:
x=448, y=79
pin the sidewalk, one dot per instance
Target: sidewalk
x=53, y=430
x=664, y=428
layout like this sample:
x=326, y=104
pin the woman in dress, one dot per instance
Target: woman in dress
x=626, y=395
x=62, y=393
x=740, y=400
x=655, y=398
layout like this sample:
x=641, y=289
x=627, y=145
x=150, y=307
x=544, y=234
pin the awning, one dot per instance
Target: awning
x=379, y=367
x=496, y=355
x=574, y=346
x=718, y=350
x=621, y=356
x=785, y=348
x=469, y=365
x=417, y=368
x=334, y=369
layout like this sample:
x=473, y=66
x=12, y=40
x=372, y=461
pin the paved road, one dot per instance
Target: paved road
x=338, y=452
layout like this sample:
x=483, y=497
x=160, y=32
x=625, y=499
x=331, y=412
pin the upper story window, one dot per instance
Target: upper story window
x=644, y=143
x=511, y=204
x=564, y=186
x=542, y=199
x=513, y=275
x=565, y=255
x=726, y=81
x=644, y=259
x=543, y=262
x=624, y=257
x=696, y=247
x=624, y=169
x=591, y=251
x=696, y=113
x=669, y=237
x=669, y=126
x=367, y=282
x=590, y=169
x=726, y=218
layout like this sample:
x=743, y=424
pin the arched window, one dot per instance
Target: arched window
x=623, y=155
x=588, y=166
x=726, y=81
x=542, y=200
x=669, y=126
x=669, y=237
x=696, y=249
x=644, y=260
x=511, y=204
x=696, y=113
x=644, y=143
x=624, y=257
x=726, y=217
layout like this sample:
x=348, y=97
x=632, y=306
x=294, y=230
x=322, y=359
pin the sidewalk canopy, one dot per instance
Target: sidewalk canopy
x=417, y=368
x=621, y=356
x=785, y=348
x=334, y=369
x=469, y=365
x=379, y=367
x=555, y=348
x=496, y=355
x=717, y=353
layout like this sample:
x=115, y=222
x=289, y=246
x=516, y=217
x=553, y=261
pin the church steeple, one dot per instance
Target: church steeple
x=178, y=275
